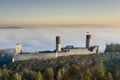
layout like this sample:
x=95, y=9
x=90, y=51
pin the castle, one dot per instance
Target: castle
x=18, y=55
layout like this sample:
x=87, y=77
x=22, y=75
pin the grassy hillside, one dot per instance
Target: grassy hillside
x=78, y=67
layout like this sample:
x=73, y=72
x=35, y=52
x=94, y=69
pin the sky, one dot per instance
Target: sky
x=40, y=12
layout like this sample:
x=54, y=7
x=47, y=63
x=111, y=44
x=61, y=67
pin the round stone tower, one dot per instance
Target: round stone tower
x=18, y=49
x=58, y=43
x=88, y=40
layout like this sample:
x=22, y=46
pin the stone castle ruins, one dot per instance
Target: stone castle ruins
x=17, y=54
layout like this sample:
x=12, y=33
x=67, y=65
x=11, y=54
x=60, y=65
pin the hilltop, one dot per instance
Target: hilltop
x=75, y=67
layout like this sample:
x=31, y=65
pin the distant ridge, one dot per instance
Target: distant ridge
x=19, y=27
x=11, y=27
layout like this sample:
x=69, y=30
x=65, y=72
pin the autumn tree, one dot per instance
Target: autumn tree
x=39, y=76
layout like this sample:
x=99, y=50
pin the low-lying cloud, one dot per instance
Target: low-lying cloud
x=43, y=37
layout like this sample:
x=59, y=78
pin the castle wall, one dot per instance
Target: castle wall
x=81, y=51
x=39, y=56
x=96, y=49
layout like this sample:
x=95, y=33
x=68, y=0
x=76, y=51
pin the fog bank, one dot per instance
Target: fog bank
x=37, y=38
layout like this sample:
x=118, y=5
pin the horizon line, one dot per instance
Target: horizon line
x=11, y=25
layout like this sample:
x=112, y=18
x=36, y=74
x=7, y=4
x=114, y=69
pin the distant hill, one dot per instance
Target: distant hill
x=11, y=27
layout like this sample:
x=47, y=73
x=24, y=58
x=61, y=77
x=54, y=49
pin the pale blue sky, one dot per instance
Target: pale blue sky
x=35, y=12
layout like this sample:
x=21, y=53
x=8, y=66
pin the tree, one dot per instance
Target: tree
x=74, y=72
x=61, y=72
x=109, y=76
x=5, y=74
x=0, y=73
x=88, y=75
x=17, y=76
x=49, y=74
x=100, y=74
x=81, y=76
x=28, y=75
x=117, y=74
x=39, y=76
x=59, y=75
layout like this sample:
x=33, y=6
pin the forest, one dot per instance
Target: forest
x=103, y=66
x=113, y=47
x=77, y=67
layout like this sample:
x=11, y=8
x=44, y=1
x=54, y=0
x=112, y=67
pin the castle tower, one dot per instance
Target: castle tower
x=18, y=49
x=58, y=43
x=88, y=40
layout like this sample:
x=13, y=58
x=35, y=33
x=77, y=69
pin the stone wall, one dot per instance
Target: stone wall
x=81, y=51
x=39, y=56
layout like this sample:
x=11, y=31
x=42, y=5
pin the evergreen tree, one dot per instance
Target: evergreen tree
x=17, y=76
x=39, y=76
x=109, y=76
x=88, y=75
x=49, y=74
